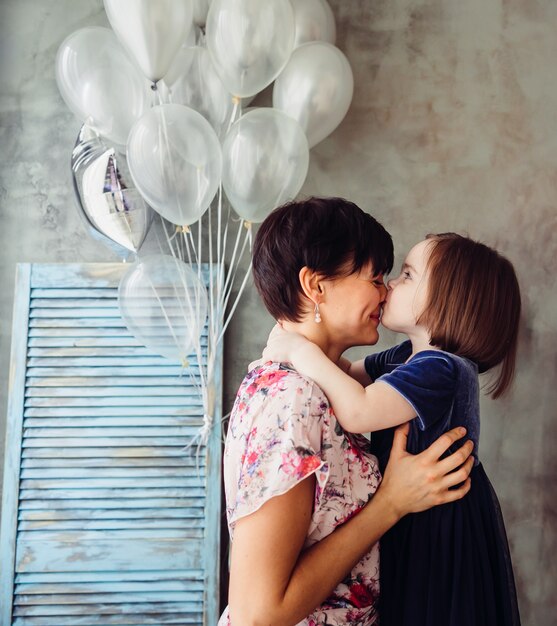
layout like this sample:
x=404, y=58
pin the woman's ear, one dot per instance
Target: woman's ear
x=310, y=282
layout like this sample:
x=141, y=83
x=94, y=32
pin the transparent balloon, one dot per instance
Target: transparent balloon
x=250, y=42
x=265, y=162
x=175, y=161
x=152, y=32
x=314, y=21
x=100, y=84
x=196, y=84
x=106, y=198
x=315, y=88
x=164, y=305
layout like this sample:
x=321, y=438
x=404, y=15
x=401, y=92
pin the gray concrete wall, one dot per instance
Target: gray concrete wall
x=453, y=126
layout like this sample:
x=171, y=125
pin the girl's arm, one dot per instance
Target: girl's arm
x=356, y=370
x=274, y=582
x=358, y=409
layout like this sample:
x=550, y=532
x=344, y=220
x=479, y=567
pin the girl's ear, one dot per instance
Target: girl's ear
x=311, y=283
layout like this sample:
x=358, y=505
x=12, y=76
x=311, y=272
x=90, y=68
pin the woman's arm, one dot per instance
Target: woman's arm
x=358, y=409
x=273, y=582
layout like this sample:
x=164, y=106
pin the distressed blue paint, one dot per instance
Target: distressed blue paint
x=105, y=519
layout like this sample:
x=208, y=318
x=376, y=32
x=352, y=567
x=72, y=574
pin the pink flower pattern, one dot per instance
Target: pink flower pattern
x=281, y=431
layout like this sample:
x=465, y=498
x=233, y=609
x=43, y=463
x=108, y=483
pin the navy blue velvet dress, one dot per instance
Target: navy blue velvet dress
x=449, y=566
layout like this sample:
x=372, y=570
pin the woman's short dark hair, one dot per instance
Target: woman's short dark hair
x=331, y=236
x=473, y=305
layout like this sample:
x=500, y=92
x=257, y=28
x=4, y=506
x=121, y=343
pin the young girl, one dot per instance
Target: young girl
x=458, y=302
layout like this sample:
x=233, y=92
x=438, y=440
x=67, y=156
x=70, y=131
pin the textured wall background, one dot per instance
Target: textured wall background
x=453, y=126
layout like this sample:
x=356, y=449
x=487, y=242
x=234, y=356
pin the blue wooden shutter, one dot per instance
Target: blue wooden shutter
x=105, y=519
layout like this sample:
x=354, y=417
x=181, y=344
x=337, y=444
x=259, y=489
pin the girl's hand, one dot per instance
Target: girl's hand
x=414, y=483
x=282, y=345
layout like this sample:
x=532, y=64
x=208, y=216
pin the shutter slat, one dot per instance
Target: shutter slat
x=165, y=369
x=103, y=610
x=95, y=391
x=113, y=503
x=112, y=454
x=123, y=554
x=98, y=494
x=185, y=394
x=194, y=576
x=173, y=461
x=55, y=515
x=109, y=587
x=183, y=619
x=105, y=383
x=89, y=536
x=55, y=295
x=190, y=524
x=137, y=361
x=111, y=483
x=109, y=598
x=181, y=431
x=194, y=408
x=110, y=472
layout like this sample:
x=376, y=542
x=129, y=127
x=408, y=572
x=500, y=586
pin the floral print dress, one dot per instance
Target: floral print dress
x=281, y=431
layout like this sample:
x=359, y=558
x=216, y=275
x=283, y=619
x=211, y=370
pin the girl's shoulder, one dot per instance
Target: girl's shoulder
x=445, y=361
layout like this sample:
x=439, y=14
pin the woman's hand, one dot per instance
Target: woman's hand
x=282, y=345
x=414, y=483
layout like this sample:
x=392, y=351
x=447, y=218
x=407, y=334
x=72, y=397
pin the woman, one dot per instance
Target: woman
x=301, y=515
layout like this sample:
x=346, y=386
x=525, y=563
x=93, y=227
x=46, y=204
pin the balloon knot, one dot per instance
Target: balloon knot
x=183, y=229
x=185, y=363
x=236, y=100
x=247, y=224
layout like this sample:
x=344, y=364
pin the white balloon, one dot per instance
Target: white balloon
x=151, y=30
x=196, y=84
x=250, y=42
x=100, y=84
x=265, y=162
x=315, y=88
x=164, y=305
x=175, y=161
x=314, y=21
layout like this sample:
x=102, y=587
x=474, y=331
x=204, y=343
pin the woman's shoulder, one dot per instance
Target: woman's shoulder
x=280, y=381
x=277, y=402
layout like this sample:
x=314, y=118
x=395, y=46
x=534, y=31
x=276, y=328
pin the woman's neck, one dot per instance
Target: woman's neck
x=317, y=334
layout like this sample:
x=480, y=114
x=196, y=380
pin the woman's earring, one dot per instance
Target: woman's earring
x=317, y=314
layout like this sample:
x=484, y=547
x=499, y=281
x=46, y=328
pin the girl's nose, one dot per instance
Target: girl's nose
x=390, y=284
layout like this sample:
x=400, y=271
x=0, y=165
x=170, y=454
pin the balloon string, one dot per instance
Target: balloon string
x=233, y=259
x=221, y=268
x=212, y=312
x=236, y=301
x=234, y=269
x=188, y=239
x=199, y=388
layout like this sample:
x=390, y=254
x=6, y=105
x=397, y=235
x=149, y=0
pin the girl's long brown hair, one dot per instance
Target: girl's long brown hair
x=473, y=305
